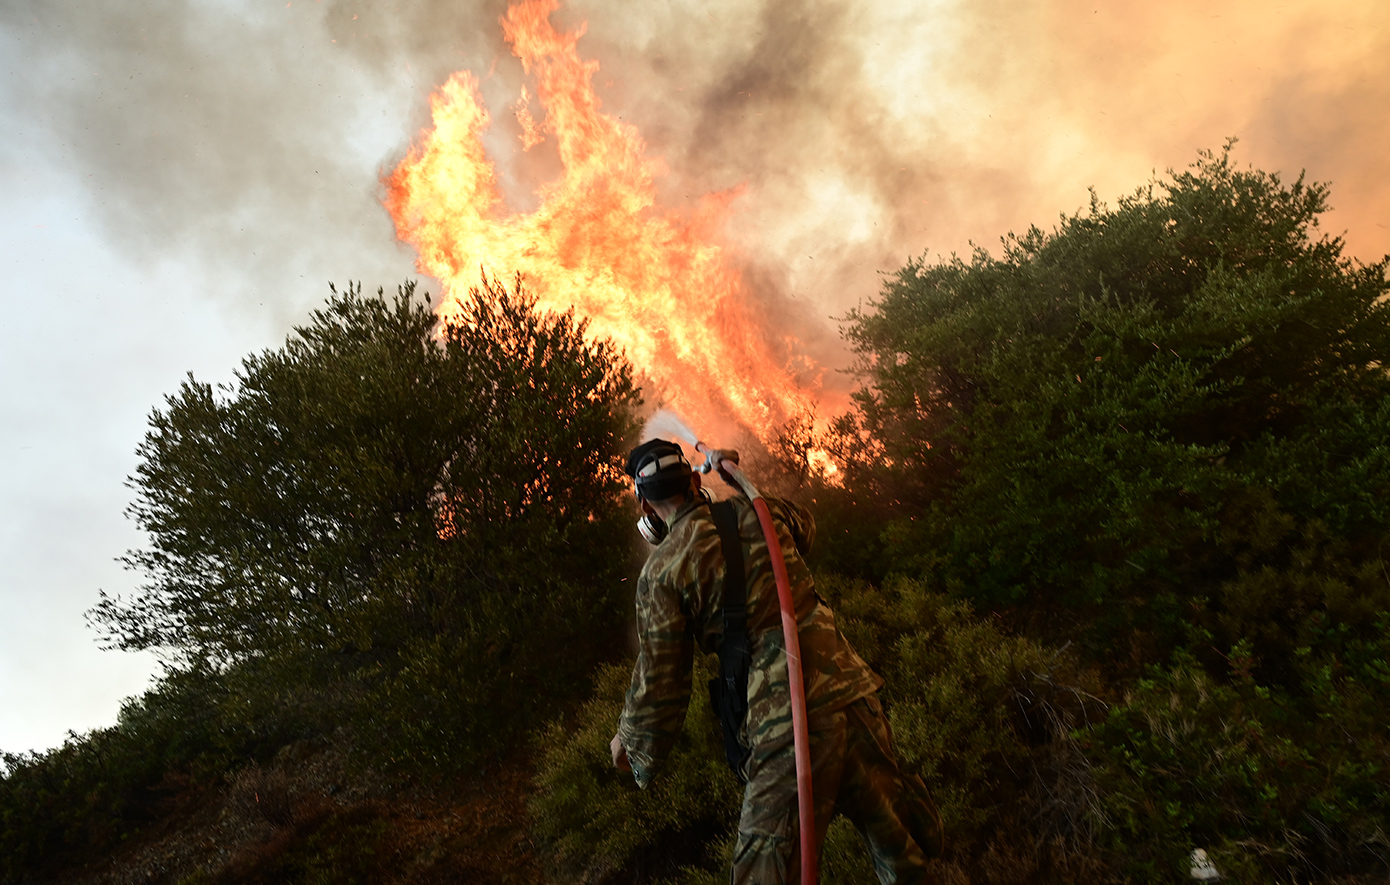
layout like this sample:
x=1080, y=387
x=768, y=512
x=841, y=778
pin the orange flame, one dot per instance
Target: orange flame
x=656, y=282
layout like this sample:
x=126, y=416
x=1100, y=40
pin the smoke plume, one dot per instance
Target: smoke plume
x=252, y=135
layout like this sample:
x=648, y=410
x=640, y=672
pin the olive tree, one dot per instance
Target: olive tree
x=412, y=518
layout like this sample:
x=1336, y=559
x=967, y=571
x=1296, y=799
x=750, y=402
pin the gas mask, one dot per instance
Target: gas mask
x=652, y=528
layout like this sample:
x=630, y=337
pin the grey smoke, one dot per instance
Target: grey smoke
x=865, y=133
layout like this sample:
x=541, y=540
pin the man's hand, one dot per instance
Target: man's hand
x=716, y=456
x=619, y=752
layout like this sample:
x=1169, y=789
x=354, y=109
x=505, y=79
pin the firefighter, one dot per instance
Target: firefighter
x=680, y=605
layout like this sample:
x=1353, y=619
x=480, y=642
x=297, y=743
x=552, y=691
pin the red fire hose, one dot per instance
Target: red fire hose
x=792, y=641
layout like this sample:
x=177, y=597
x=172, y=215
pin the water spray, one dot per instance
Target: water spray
x=669, y=423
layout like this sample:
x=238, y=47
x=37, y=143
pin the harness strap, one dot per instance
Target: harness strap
x=729, y=693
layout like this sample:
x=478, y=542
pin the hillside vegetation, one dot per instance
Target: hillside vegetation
x=1112, y=518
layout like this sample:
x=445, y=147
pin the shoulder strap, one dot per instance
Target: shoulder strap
x=729, y=692
x=735, y=584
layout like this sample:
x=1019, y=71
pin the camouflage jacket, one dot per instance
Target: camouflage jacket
x=679, y=606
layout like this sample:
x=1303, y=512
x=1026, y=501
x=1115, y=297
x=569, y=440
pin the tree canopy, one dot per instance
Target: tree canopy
x=390, y=496
x=1078, y=420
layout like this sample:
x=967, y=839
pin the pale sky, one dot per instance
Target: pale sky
x=180, y=180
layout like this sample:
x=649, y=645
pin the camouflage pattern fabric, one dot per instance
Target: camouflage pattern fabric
x=679, y=598
x=854, y=772
x=680, y=595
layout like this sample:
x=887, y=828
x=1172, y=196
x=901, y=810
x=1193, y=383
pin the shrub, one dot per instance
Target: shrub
x=99, y=789
x=1162, y=431
x=594, y=820
x=1065, y=427
x=987, y=717
x=1274, y=784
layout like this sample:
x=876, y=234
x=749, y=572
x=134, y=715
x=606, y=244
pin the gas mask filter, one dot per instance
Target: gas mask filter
x=652, y=527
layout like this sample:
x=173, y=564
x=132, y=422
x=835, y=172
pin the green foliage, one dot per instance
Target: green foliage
x=598, y=824
x=1291, y=584
x=982, y=714
x=1064, y=424
x=1159, y=433
x=405, y=523
x=952, y=678
x=399, y=525
x=1161, y=430
x=98, y=789
x=1275, y=785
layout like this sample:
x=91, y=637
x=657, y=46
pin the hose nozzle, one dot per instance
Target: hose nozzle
x=714, y=457
x=726, y=462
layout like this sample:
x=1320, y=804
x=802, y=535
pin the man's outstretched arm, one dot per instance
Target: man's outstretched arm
x=660, y=690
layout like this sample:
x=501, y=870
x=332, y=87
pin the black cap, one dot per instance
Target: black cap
x=659, y=470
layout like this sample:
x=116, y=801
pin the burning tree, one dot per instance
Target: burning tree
x=415, y=518
x=657, y=282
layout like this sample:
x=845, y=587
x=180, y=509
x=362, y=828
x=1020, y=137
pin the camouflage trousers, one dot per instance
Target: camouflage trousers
x=854, y=772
